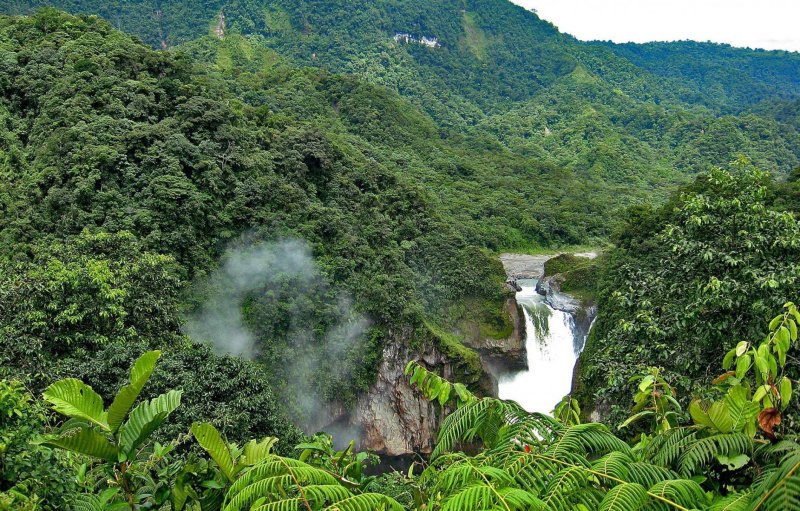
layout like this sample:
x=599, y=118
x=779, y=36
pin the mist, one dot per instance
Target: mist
x=305, y=323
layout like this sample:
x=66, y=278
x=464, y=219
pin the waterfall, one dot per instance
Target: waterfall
x=553, y=345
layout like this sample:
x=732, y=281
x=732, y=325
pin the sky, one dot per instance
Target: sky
x=768, y=24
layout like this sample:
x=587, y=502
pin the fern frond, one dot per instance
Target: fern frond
x=520, y=499
x=528, y=429
x=366, y=502
x=667, y=448
x=461, y=475
x=649, y=475
x=702, y=452
x=274, y=479
x=295, y=504
x=679, y=491
x=565, y=484
x=781, y=490
x=774, y=452
x=486, y=416
x=735, y=502
x=87, y=503
x=326, y=493
x=477, y=496
x=624, y=497
x=614, y=464
x=590, y=438
x=532, y=473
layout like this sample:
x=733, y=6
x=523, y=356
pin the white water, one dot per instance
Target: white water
x=553, y=348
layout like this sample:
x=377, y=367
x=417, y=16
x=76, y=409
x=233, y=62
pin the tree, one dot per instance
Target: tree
x=709, y=267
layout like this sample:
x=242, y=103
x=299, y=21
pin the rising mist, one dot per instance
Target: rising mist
x=282, y=280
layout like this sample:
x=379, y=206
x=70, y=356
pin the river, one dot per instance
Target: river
x=553, y=345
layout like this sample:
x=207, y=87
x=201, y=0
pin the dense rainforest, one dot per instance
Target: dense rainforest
x=222, y=225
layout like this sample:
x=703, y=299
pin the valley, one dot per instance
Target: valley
x=250, y=249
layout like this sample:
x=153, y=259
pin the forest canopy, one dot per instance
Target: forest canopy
x=222, y=225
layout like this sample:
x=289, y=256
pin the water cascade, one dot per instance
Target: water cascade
x=553, y=345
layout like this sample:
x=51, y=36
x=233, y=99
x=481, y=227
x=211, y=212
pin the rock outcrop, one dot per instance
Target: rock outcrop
x=582, y=312
x=503, y=355
x=393, y=419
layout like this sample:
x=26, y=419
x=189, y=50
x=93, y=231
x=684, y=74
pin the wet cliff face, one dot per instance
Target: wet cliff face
x=507, y=354
x=393, y=418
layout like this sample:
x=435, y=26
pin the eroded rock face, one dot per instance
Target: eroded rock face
x=395, y=418
x=583, y=313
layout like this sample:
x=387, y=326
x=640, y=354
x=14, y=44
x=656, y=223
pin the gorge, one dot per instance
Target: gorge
x=533, y=366
x=556, y=328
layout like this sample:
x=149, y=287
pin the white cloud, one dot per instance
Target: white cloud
x=769, y=24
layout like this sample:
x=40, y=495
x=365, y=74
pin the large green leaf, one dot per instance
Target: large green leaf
x=140, y=373
x=209, y=439
x=146, y=418
x=255, y=452
x=74, y=398
x=743, y=412
x=83, y=440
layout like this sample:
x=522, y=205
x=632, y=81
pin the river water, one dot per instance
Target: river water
x=553, y=345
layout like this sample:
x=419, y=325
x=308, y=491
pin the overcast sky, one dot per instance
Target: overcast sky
x=770, y=24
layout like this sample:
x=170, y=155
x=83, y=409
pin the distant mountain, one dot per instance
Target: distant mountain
x=494, y=77
x=489, y=52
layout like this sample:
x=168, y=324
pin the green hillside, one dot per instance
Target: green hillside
x=225, y=225
x=644, y=115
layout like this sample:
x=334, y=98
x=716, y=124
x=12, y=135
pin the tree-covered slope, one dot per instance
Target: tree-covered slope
x=489, y=51
x=129, y=174
x=730, y=79
x=582, y=124
x=509, y=83
x=688, y=280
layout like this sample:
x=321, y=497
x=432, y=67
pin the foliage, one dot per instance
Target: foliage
x=708, y=267
x=577, y=276
x=117, y=437
x=655, y=400
x=31, y=477
x=524, y=461
x=568, y=411
x=89, y=306
x=254, y=478
x=347, y=465
x=531, y=461
x=130, y=175
x=130, y=172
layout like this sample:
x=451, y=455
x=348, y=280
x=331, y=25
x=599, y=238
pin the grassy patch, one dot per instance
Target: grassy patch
x=474, y=37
